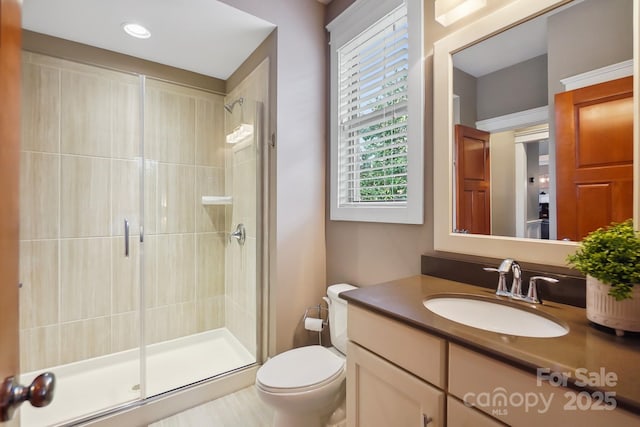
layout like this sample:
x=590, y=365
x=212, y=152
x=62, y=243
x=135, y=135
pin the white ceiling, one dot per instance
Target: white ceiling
x=511, y=47
x=204, y=36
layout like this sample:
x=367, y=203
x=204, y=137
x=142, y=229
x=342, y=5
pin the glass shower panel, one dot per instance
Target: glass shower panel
x=79, y=187
x=246, y=172
x=243, y=134
x=185, y=237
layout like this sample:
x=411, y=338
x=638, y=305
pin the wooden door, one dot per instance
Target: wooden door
x=10, y=45
x=473, y=185
x=594, y=157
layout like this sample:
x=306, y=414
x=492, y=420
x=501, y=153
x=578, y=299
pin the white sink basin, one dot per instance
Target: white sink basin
x=495, y=316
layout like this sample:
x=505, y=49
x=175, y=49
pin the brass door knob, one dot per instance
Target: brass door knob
x=39, y=393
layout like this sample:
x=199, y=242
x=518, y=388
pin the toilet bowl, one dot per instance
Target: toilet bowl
x=306, y=385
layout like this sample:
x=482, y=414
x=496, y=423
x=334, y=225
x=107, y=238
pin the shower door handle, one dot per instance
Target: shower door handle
x=240, y=234
x=126, y=238
x=39, y=393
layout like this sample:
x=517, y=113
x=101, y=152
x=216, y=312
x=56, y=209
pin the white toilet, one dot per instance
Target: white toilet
x=307, y=384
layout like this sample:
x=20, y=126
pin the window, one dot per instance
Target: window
x=377, y=99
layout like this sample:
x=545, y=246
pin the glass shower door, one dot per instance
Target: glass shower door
x=140, y=235
x=79, y=266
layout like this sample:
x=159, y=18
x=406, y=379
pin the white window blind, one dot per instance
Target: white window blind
x=373, y=71
x=372, y=115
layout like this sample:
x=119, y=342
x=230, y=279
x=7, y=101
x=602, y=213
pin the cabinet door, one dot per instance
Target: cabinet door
x=460, y=415
x=379, y=394
x=516, y=398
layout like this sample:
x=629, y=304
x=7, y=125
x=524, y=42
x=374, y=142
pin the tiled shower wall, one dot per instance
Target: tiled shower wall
x=80, y=178
x=241, y=181
x=185, y=241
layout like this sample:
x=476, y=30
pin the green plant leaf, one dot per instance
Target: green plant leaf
x=611, y=255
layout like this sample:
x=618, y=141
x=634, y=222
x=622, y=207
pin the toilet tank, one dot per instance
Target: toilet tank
x=338, y=316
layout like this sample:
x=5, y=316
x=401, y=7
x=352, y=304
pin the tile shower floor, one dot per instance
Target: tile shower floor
x=240, y=409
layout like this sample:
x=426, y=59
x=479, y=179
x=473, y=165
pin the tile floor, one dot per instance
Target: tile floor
x=240, y=409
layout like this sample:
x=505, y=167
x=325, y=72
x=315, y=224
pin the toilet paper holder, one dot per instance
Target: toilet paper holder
x=318, y=310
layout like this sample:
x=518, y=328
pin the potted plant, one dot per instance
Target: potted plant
x=610, y=258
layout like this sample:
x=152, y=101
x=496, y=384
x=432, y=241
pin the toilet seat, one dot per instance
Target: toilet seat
x=300, y=369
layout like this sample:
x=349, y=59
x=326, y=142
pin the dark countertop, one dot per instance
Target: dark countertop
x=585, y=347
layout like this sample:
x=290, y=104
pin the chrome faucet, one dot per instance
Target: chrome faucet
x=532, y=293
x=505, y=267
x=516, y=286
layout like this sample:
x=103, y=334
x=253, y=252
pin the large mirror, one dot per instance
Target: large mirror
x=514, y=110
x=509, y=124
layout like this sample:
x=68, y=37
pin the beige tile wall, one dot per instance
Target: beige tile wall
x=80, y=178
x=242, y=183
x=185, y=241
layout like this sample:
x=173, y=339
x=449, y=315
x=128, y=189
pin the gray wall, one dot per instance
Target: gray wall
x=590, y=35
x=465, y=86
x=297, y=270
x=368, y=253
x=520, y=87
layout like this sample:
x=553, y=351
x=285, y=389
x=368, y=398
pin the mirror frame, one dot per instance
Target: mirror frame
x=549, y=252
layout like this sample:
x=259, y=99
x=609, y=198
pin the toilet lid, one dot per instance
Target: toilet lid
x=300, y=367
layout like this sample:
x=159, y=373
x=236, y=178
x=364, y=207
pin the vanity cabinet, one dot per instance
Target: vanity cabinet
x=381, y=393
x=398, y=375
x=517, y=398
x=460, y=415
x=385, y=395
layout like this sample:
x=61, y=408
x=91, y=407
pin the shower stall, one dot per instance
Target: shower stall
x=141, y=234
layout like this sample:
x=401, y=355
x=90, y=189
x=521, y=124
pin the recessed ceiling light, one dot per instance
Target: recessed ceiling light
x=136, y=30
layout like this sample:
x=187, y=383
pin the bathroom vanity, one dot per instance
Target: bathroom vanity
x=407, y=366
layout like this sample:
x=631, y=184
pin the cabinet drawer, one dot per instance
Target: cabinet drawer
x=503, y=391
x=379, y=394
x=412, y=349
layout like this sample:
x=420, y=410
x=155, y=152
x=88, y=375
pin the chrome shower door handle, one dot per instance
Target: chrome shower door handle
x=126, y=238
x=240, y=234
x=39, y=393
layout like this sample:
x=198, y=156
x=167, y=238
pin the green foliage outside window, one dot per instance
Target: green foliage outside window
x=383, y=169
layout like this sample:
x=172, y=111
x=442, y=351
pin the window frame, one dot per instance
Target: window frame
x=357, y=18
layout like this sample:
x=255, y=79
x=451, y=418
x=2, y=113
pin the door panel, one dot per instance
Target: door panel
x=9, y=180
x=9, y=161
x=473, y=181
x=594, y=149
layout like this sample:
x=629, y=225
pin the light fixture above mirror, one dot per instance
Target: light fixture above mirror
x=450, y=11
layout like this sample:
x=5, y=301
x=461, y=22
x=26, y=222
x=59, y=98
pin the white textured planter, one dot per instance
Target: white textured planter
x=603, y=309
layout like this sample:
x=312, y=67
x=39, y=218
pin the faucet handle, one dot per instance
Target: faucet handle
x=516, y=285
x=532, y=293
x=502, y=281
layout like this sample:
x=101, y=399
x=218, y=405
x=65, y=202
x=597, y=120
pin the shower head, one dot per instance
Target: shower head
x=229, y=107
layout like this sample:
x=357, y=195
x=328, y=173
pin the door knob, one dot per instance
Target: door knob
x=12, y=394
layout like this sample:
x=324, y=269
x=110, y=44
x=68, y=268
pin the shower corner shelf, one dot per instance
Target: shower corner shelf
x=216, y=200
